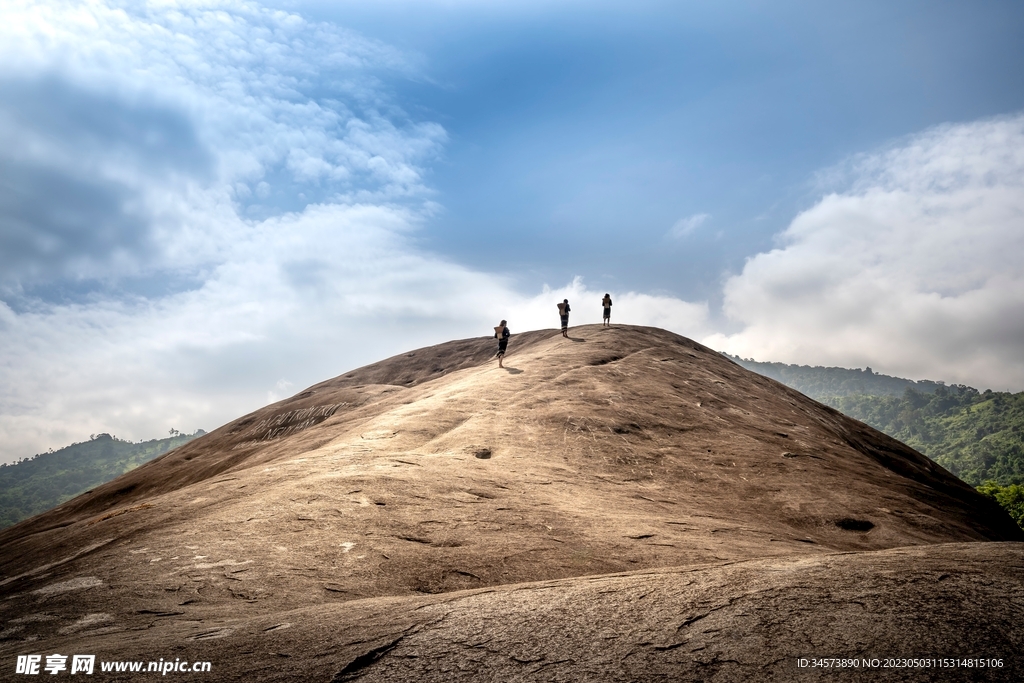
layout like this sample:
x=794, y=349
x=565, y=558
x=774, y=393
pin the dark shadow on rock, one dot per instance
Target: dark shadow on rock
x=576, y=339
x=513, y=371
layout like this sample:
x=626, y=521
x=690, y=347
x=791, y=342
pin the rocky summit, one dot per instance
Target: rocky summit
x=621, y=505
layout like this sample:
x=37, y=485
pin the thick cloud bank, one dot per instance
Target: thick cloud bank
x=915, y=269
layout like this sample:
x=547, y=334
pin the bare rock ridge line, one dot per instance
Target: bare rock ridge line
x=393, y=523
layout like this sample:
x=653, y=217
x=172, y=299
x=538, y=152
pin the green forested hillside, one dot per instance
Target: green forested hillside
x=1010, y=497
x=46, y=480
x=978, y=436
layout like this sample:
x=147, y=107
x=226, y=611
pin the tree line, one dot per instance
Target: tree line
x=36, y=484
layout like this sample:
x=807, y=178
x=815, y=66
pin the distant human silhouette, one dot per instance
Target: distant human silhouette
x=607, y=303
x=502, y=334
x=563, y=312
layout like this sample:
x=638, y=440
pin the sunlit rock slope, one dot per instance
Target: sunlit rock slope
x=624, y=464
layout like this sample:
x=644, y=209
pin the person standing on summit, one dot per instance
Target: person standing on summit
x=502, y=334
x=563, y=311
x=607, y=303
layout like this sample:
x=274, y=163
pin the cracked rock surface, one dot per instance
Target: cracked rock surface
x=621, y=505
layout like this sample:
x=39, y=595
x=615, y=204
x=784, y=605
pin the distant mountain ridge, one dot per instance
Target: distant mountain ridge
x=46, y=480
x=820, y=382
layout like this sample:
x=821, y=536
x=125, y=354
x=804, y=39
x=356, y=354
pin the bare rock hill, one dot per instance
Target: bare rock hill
x=546, y=501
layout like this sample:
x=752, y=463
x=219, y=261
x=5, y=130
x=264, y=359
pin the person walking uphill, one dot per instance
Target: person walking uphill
x=563, y=311
x=502, y=334
x=607, y=303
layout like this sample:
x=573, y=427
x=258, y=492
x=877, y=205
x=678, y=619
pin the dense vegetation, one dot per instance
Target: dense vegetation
x=1010, y=497
x=37, y=484
x=978, y=436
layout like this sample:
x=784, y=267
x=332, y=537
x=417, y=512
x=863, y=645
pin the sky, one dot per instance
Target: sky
x=206, y=206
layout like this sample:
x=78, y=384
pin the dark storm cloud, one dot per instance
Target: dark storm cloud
x=75, y=168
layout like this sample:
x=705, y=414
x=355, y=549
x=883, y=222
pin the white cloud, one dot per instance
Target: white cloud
x=181, y=141
x=173, y=114
x=307, y=297
x=685, y=226
x=914, y=270
x=632, y=308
